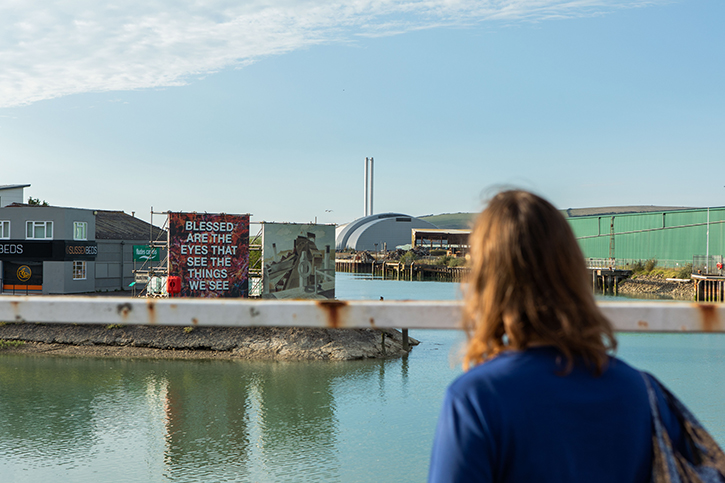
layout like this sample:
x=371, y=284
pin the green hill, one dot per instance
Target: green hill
x=455, y=221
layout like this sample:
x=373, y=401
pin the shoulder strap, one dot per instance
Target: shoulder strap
x=680, y=411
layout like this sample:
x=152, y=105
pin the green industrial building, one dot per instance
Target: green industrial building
x=671, y=236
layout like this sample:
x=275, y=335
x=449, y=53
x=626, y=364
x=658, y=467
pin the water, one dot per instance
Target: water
x=80, y=419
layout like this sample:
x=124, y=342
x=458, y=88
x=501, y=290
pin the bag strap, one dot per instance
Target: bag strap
x=661, y=438
x=679, y=410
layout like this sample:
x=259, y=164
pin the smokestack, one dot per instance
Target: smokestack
x=368, y=186
x=371, y=185
x=365, y=208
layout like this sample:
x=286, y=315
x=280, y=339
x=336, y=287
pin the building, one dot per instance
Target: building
x=378, y=232
x=448, y=239
x=122, y=240
x=59, y=250
x=46, y=249
x=673, y=237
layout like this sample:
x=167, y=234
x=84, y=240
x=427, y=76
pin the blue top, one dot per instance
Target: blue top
x=516, y=419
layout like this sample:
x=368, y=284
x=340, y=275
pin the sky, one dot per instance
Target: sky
x=270, y=107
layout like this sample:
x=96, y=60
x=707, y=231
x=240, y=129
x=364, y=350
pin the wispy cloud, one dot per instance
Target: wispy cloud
x=88, y=46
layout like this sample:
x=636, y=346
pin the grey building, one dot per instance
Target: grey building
x=47, y=249
x=58, y=250
x=375, y=232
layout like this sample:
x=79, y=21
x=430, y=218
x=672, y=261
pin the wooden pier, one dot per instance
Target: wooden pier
x=399, y=271
x=606, y=280
x=709, y=288
x=354, y=266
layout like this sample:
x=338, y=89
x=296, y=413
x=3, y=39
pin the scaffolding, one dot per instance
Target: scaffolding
x=154, y=278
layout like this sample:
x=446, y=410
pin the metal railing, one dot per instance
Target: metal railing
x=626, y=316
x=629, y=262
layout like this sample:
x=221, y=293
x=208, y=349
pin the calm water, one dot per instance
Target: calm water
x=77, y=420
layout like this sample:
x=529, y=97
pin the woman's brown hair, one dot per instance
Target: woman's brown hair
x=529, y=286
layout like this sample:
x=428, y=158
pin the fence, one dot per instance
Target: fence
x=628, y=262
x=626, y=316
x=712, y=265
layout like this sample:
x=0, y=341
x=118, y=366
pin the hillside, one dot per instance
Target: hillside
x=460, y=221
x=463, y=221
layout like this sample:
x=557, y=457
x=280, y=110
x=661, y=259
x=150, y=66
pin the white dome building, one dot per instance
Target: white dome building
x=377, y=231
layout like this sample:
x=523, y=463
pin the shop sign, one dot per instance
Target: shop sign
x=75, y=250
x=57, y=250
x=145, y=253
x=28, y=250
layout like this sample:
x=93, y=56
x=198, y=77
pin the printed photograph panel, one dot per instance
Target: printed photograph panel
x=299, y=261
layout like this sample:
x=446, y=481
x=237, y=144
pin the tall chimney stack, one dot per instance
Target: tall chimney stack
x=368, y=187
x=365, y=206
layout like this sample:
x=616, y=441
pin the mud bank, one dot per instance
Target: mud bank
x=653, y=287
x=245, y=343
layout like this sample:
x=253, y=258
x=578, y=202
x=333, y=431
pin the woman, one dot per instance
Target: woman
x=541, y=401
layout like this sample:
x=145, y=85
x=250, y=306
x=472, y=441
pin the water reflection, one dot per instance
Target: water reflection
x=34, y=421
x=70, y=419
x=205, y=419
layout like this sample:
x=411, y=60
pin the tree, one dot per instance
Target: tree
x=36, y=202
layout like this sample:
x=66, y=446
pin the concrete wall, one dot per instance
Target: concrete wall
x=58, y=278
x=114, y=264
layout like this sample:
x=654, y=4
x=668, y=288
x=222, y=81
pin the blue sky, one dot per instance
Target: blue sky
x=270, y=107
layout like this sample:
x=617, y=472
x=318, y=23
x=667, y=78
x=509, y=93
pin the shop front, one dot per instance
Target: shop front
x=42, y=267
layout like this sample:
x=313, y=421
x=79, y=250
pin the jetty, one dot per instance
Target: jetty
x=709, y=288
x=606, y=280
x=396, y=270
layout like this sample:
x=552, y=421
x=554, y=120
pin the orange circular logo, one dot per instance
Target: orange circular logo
x=24, y=273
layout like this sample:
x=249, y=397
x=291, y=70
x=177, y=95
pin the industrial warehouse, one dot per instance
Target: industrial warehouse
x=673, y=237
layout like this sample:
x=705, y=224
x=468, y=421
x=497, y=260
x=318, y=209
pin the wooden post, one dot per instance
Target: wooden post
x=406, y=345
x=382, y=341
x=697, y=290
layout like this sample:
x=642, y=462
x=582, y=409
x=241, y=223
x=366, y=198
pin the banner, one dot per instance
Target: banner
x=210, y=252
x=299, y=261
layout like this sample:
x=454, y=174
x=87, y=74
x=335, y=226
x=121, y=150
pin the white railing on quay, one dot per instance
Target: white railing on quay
x=626, y=316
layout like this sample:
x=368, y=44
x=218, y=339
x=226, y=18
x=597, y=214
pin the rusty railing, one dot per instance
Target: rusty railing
x=626, y=316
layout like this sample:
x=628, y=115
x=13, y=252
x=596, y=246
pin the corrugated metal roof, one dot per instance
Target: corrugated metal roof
x=11, y=186
x=619, y=210
x=117, y=225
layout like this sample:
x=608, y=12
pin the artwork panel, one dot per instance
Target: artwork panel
x=210, y=252
x=298, y=261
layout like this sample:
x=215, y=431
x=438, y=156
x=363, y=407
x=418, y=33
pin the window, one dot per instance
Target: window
x=79, y=230
x=4, y=229
x=39, y=230
x=79, y=270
